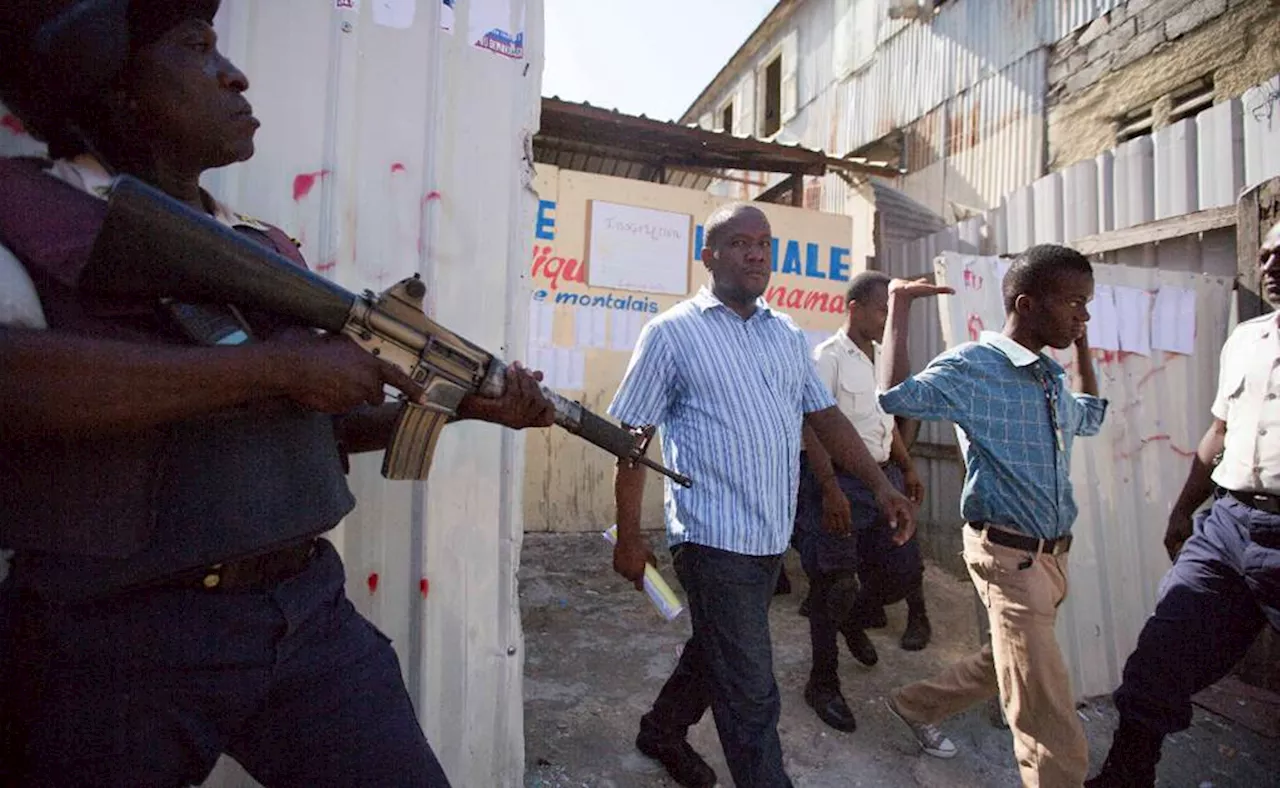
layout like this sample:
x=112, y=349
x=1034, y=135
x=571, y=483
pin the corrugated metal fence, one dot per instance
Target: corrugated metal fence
x=1129, y=477
x=390, y=146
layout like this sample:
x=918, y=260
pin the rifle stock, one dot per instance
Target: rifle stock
x=153, y=246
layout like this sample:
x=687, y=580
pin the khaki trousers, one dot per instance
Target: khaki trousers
x=1023, y=663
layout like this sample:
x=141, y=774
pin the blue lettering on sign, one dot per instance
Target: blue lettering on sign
x=545, y=229
x=837, y=269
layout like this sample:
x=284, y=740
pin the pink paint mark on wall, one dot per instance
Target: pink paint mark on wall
x=975, y=327
x=1161, y=438
x=397, y=167
x=1154, y=371
x=304, y=183
x=424, y=587
x=12, y=123
x=373, y=582
x=972, y=281
x=325, y=268
x=432, y=196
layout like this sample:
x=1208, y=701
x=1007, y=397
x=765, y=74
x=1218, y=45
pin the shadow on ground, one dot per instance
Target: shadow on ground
x=597, y=654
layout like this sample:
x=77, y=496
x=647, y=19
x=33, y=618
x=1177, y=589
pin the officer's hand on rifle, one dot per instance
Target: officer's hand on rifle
x=329, y=373
x=521, y=404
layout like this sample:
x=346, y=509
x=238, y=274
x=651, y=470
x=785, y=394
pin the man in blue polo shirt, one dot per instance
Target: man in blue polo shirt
x=730, y=383
x=1019, y=418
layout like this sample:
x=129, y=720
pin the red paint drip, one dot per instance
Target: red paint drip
x=373, y=582
x=304, y=183
x=397, y=167
x=423, y=587
x=432, y=196
x=12, y=123
x=1162, y=438
x=1147, y=377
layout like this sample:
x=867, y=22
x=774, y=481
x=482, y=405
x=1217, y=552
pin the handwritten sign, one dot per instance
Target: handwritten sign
x=631, y=248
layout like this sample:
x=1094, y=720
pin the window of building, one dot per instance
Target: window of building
x=1135, y=124
x=771, y=120
x=1190, y=100
x=726, y=118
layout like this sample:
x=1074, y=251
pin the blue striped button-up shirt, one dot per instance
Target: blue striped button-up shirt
x=729, y=397
x=1019, y=451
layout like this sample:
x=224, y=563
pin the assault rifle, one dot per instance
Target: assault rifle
x=153, y=246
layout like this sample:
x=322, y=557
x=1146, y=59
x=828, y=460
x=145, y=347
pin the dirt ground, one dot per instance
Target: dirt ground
x=597, y=654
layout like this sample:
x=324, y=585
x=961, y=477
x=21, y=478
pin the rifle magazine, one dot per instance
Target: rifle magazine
x=413, y=442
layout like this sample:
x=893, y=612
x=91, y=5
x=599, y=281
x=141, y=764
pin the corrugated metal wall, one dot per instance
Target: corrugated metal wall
x=966, y=87
x=390, y=151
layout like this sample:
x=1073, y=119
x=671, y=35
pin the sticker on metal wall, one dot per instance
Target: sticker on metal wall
x=498, y=26
x=347, y=5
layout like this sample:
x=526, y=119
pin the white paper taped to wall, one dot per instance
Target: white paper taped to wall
x=569, y=365
x=1104, y=324
x=626, y=329
x=394, y=13
x=1173, y=320
x=634, y=248
x=591, y=327
x=1133, y=310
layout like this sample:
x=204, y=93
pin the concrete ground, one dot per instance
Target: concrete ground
x=597, y=654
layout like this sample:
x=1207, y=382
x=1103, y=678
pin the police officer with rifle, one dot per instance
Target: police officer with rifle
x=170, y=457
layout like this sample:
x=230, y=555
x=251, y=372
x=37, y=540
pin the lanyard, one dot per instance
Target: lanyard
x=1051, y=398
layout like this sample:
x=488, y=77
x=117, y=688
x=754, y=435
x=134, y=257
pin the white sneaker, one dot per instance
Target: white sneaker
x=930, y=739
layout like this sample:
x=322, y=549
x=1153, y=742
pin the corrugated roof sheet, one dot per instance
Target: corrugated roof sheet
x=579, y=136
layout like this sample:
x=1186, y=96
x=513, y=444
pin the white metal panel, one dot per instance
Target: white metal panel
x=1020, y=220
x=1261, y=106
x=1047, y=209
x=1134, y=183
x=1106, y=162
x=1220, y=154
x=1176, y=174
x=1080, y=200
x=388, y=152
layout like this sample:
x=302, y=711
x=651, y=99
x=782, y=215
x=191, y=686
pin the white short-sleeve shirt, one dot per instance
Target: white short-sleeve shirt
x=1248, y=400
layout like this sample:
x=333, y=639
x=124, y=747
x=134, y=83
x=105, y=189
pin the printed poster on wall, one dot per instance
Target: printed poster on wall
x=644, y=249
x=498, y=26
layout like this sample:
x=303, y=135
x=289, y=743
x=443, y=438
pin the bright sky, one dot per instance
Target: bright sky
x=651, y=57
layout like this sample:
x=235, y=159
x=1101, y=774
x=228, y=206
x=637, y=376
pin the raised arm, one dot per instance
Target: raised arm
x=896, y=365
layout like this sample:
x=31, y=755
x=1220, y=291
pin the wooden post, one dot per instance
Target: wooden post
x=1257, y=210
x=797, y=190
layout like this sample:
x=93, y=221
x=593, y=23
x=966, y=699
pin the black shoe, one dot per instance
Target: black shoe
x=917, y=634
x=860, y=646
x=831, y=708
x=1131, y=763
x=783, y=585
x=682, y=762
x=804, y=607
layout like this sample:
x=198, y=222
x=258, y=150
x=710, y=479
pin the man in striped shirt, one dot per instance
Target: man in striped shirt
x=1019, y=418
x=730, y=383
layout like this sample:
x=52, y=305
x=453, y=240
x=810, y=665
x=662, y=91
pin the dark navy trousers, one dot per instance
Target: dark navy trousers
x=148, y=688
x=1215, y=599
x=888, y=572
x=727, y=665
